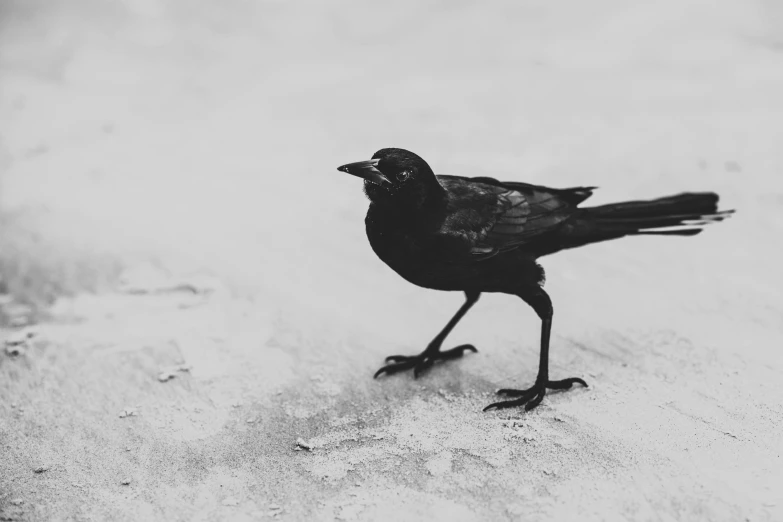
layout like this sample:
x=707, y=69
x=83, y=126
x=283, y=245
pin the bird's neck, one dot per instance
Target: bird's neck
x=407, y=215
x=412, y=204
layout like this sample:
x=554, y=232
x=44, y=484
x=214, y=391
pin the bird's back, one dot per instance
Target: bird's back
x=512, y=215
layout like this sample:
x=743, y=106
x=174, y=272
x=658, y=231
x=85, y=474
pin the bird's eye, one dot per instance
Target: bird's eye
x=403, y=175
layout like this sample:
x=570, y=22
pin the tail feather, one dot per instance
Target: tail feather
x=663, y=220
x=680, y=232
x=687, y=203
x=681, y=215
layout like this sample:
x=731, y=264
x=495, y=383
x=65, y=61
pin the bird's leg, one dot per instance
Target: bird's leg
x=532, y=397
x=425, y=359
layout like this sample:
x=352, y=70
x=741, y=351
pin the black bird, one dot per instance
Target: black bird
x=482, y=235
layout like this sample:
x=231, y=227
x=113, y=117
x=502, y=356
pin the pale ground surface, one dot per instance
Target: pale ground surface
x=204, y=136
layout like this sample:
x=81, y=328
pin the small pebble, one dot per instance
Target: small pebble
x=128, y=412
x=14, y=350
x=125, y=482
x=300, y=443
x=171, y=372
x=166, y=376
x=41, y=469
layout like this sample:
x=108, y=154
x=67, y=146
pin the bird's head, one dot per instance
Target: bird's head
x=396, y=176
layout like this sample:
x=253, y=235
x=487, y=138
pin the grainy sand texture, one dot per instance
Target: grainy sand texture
x=207, y=313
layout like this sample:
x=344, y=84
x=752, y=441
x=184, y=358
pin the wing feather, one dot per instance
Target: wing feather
x=491, y=217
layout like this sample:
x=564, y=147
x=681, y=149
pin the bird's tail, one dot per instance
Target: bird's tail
x=680, y=215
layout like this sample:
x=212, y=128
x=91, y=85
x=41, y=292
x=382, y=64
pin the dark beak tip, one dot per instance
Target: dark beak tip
x=366, y=170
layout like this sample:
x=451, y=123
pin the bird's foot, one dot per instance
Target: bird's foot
x=533, y=396
x=423, y=361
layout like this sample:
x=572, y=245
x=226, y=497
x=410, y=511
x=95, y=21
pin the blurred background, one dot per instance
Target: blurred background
x=210, y=130
x=190, y=139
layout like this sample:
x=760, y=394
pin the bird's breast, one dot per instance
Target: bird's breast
x=406, y=252
x=421, y=260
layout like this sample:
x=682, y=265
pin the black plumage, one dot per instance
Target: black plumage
x=480, y=235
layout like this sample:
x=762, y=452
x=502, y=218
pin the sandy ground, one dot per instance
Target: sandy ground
x=178, y=158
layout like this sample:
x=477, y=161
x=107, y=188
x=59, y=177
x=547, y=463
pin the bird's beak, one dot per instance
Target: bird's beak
x=366, y=170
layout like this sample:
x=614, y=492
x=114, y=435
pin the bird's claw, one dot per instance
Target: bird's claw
x=533, y=396
x=421, y=362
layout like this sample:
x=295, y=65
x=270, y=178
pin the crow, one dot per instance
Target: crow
x=479, y=234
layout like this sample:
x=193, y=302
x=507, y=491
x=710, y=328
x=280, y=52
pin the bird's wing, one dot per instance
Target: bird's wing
x=492, y=217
